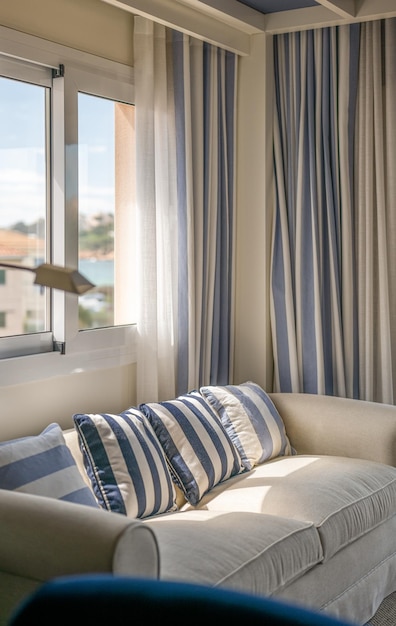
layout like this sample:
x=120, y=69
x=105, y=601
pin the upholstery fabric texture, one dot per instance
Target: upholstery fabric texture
x=251, y=420
x=366, y=561
x=125, y=463
x=344, y=498
x=269, y=554
x=43, y=465
x=197, y=446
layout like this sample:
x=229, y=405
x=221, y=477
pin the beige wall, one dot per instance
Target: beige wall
x=253, y=352
x=89, y=25
x=27, y=409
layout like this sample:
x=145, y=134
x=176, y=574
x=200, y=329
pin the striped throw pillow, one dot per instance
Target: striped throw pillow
x=125, y=463
x=197, y=446
x=43, y=465
x=251, y=420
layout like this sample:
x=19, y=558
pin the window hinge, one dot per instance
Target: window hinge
x=58, y=72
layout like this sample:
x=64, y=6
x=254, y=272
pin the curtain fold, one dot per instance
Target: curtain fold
x=333, y=256
x=313, y=312
x=185, y=190
x=155, y=210
x=375, y=221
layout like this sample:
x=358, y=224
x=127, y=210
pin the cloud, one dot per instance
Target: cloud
x=23, y=197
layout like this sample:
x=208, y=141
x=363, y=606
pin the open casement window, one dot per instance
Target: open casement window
x=67, y=197
x=106, y=194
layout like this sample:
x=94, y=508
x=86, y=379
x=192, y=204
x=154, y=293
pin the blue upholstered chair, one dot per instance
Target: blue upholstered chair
x=118, y=600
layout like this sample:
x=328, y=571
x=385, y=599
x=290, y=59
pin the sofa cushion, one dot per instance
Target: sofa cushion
x=251, y=420
x=197, y=446
x=125, y=463
x=247, y=551
x=344, y=498
x=43, y=465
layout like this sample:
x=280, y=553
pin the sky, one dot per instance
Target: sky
x=22, y=153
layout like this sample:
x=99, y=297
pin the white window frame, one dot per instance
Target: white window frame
x=37, y=342
x=74, y=350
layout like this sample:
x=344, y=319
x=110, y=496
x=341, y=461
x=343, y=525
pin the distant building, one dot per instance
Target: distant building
x=22, y=309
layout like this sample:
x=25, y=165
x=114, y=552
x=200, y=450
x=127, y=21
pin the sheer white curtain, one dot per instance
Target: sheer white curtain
x=185, y=151
x=156, y=212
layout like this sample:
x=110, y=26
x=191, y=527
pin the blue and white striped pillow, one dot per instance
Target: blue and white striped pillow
x=251, y=420
x=125, y=463
x=198, y=448
x=43, y=465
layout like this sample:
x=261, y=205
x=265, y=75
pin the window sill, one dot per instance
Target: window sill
x=116, y=348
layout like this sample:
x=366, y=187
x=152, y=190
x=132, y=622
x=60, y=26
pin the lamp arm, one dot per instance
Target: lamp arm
x=17, y=267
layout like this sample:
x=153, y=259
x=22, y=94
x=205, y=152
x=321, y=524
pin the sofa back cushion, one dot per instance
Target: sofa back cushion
x=251, y=421
x=125, y=463
x=43, y=465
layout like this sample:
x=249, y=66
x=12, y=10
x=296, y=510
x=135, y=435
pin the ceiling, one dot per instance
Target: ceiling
x=276, y=6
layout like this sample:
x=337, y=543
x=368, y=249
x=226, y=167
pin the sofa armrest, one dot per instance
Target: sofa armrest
x=320, y=424
x=42, y=538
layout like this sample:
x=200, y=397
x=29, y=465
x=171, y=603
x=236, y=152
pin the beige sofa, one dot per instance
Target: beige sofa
x=317, y=528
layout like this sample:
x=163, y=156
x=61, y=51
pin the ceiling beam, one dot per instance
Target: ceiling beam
x=375, y=9
x=320, y=16
x=344, y=8
x=301, y=19
x=190, y=20
x=231, y=12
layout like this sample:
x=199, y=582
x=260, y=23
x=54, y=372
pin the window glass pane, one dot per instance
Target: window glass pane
x=105, y=131
x=23, y=202
x=96, y=208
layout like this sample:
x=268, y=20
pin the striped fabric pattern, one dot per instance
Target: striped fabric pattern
x=43, y=465
x=196, y=444
x=125, y=463
x=205, y=87
x=333, y=289
x=313, y=312
x=251, y=420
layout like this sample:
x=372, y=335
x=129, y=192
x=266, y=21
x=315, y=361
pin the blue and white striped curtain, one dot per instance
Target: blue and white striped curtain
x=205, y=97
x=185, y=129
x=333, y=257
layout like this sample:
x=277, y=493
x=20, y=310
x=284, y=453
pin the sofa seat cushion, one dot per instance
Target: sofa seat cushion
x=344, y=498
x=246, y=551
